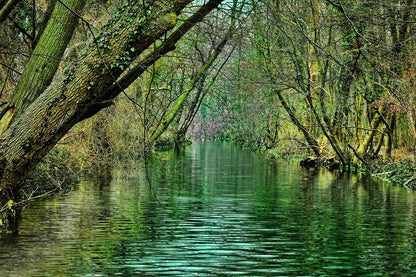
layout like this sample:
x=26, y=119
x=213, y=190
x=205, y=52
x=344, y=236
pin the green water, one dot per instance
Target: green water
x=223, y=211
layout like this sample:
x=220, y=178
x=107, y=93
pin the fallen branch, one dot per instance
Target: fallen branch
x=408, y=181
x=382, y=173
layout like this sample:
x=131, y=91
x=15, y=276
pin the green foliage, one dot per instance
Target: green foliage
x=401, y=173
x=331, y=10
x=121, y=62
x=55, y=169
x=91, y=83
x=129, y=12
x=69, y=73
x=24, y=15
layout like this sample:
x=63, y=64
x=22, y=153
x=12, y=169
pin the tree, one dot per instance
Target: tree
x=41, y=68
x=110, y=63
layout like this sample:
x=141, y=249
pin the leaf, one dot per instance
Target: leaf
x=10, y=203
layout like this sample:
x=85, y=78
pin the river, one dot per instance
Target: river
x=217, y=210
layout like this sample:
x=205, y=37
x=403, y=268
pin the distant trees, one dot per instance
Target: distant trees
x=172, y=92
x=341, y=72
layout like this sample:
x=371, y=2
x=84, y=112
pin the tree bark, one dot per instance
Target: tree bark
x=43, y=62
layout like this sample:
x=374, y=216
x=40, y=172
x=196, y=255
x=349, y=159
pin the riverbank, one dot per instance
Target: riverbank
x=57, y=173
x=400, y=170
x=62, y=170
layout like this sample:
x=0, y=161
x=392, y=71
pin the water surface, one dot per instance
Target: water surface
x=223, y=211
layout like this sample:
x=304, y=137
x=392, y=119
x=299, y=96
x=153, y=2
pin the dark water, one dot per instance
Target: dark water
x=224, y=212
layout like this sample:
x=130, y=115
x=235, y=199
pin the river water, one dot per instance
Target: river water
x=217, y=210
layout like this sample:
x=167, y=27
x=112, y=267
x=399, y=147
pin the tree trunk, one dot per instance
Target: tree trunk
x=390, y=132
x=313, y=144
x=362, y=150
x=43, y=62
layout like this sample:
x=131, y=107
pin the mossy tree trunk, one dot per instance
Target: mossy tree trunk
x=313, y=144
x=364, y=146
x=44, y=61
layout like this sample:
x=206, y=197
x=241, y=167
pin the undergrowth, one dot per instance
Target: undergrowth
x=402, y=172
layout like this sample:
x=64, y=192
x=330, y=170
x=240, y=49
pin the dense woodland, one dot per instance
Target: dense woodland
x=83, y=83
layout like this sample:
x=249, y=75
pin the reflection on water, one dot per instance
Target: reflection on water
x=224, y=211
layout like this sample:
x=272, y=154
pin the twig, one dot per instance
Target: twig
x=12, y=69
x=32, y=198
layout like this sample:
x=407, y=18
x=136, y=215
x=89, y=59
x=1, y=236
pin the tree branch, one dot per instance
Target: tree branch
x=7, y=8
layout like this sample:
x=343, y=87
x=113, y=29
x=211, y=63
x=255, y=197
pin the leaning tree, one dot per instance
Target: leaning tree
x=46, y=102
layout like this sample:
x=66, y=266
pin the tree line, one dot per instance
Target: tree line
x=338, y=74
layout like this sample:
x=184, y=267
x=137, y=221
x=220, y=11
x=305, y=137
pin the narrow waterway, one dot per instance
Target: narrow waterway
x=217, y=210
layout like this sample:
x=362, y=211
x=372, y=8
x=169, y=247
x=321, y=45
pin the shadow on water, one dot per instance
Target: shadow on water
x=223, y=211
